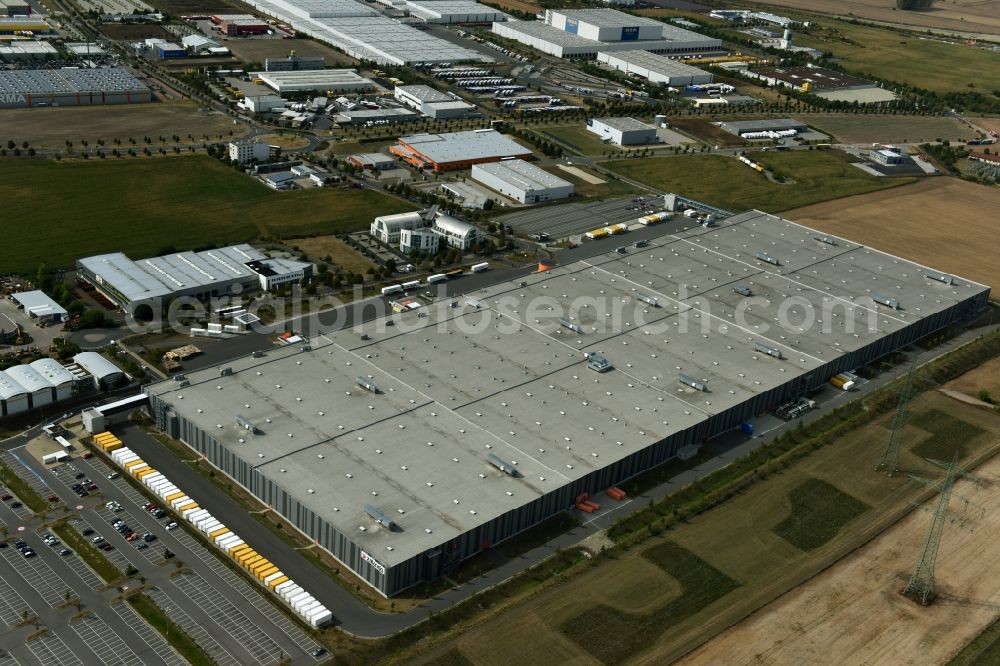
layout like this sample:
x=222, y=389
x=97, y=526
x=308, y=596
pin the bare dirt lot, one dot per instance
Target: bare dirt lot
x=51, y=128
x=706, y=131
x=942, y=222
x=182, y=7
x=342, y=256
x=986, y=376
x=982, y=16
x=288, y=141
x=138, y=31
x=845, y=128
x=258, y=50
x=853, y=613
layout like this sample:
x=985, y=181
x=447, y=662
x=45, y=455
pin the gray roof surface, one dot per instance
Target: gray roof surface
x=607, y=18
x=657, y=63
x=35, y=81
x=161, y=276
x=763, y=125
x=425, y=93
x=523, y=174
x=459, y=146
x=97, y=365
x=625, y=124
x=39, y=303
x=505, y=378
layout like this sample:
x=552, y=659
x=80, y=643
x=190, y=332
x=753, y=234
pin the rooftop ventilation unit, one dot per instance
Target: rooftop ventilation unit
x=379, y=517
x=743, y=290
x=649, y=300
x=692, y=382
x=941, y=277
x=225, y=372
x=885, y=300
x=764, y=256
x=501, y=464
x=571, y=325
x=770, y=351
x=245, y=423
x=826, y=239
x=368, y=385
x=598, y=363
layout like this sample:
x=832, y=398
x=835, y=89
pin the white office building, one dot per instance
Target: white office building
x=456, y=233
x=522, y=181
x=421, y=241
x=622, y=131
x=245, y=152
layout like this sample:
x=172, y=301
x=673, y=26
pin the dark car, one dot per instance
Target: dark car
x=88, y=532
x=79, y=475
x=53, y=498
x=148, y=536
x=88, y=455
x=159, y=513
x=16, y=505
x=318, y=652
x=92, y=486
x=65, y=551
x=140, y=545
x=28, y=553
x=6, y=497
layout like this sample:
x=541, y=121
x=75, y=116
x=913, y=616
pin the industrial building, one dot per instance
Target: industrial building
x=70, y=87
x=583, y=33
x=332, y=80
x=294, y=64
x=14, y=8
x=452, y=11
x=170, y=50
x=457, y=150
x=142, y=288
x=40, y=307
x=433, y=103
x=887, y=157
x=36, y=384
x=248, y=151
x=362, y=33
x=654, y=68
x=235, y=25
x=742, y=127
x=387, y=115
x=85, y=49
x=826, y=83
x=522, y=181
x=199, y=44
x=623, y=131
x=27, y=49
x=21, y=25
x=403, y=450
x=460, y=235
x=102, y=373
x=261, y=104
x=372, y=161
x=273, y=273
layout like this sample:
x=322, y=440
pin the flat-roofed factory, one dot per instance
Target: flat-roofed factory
x=405, y=449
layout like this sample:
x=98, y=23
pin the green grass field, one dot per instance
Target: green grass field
x=948, y=435
x=819, y=510
x=612, y=636
x=983, y=651
x=818, y=175
x=578, y=139
x=890, y=55
x=58, y=212
x=585, y=190
x=173, y=634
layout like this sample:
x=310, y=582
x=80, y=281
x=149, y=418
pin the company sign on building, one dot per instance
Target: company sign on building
x=572, y=25
x=630, y=34
x=372, y=561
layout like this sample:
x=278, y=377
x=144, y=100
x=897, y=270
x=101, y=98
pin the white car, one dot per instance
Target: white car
x=171, y=526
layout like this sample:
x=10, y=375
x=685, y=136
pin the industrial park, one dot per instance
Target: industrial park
x=454, y=332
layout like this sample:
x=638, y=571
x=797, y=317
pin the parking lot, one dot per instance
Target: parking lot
x=230, y=618
x=574, y=219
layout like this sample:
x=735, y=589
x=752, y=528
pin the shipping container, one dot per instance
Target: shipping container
x=264, y=572
x=394, y=289
x=217, y=532
x=596, y=233
x=321, y=619
x=170, y=498
x=434, y=279
x=279, y=588
x=412, y=284
x=277, y=582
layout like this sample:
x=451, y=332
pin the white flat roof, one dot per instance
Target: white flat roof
x=38, y=303
x=424, y=93
x=624, y=124
x=655, y=63
x=606, y=18
x=460, y=146
x=524, y=175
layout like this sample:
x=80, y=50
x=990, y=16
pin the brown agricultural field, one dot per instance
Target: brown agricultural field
x=52, y=127
x=342, y=255
x=853, y=613
x=942, y=222
x=185, y=7
x=134, y=32
x=258, y=50
x=986, y=376
x=518, y=5
x=980, y=16
x=706, y=131
x=850, y=128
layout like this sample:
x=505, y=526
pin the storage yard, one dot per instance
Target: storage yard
x=938, y=221
x=397, y=518
x=655, y=602
x=179, y=207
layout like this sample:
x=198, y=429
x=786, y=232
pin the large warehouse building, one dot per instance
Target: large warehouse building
x=623, y=131
x=70, y=87
x=405, y=449
x=334, y=80
x=457, y=150
x=522, y=181
x=655, y=68
x=452, y=11
x=582, y=33
x=433, y=103
x=203, y=275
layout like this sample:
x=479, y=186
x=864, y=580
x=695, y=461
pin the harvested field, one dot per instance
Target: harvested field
x=134, y=32
x=52, y=127
x=854, y=613
x=258, y=50
x=342, y=255
x=938, y=222
x=182, y=7
x=289, y=141
x=518, y=5
x=721, y=565
x=706, y=131
x=850, y=128
x=986, y=376
x=981, y=16
x=819, y=510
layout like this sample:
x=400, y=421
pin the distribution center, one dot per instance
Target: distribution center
x=405, y=449
x=457, y=150
x=622, y=131
x=70, y=87
x=334, y=80
x=654, y=68
x=522, y=181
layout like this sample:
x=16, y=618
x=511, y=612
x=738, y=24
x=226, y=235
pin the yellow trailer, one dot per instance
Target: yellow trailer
x=265, y=572
x=172, y=496
x=260, y=566
x=113, y=446
x=184, y=507
x=248, y=563
x=246, y=556
x=217, y=533
x=277, y=581
x=134, y=463
x=235, y=552
x=144, y=473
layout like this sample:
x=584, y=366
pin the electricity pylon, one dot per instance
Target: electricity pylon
x=890, y=455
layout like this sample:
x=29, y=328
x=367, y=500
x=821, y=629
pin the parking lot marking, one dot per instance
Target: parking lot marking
x=196, y=631
x=152, y=637
x=106, y=644
x=12, y=604
x=50, y=650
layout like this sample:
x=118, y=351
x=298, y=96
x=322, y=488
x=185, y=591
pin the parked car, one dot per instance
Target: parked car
x=114, y=475
x=149, y=536
x=53, y=498
x=159, y=513
x=171, y=526
x=88, y=532
x=65, y=551
x=88, y=455
x=97, y=539
x=16, y=505
x=141, y=545
x=7, y=497
x=79, y=475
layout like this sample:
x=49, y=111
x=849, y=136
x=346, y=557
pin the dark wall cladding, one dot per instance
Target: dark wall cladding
x=433, y=563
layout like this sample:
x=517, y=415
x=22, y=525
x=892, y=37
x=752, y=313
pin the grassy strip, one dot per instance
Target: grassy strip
x=984, y=649
x=173, y=634
x=101, y=565
x=818, y=511
x=612, y=635
x=948, y=435
x=24, y=492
